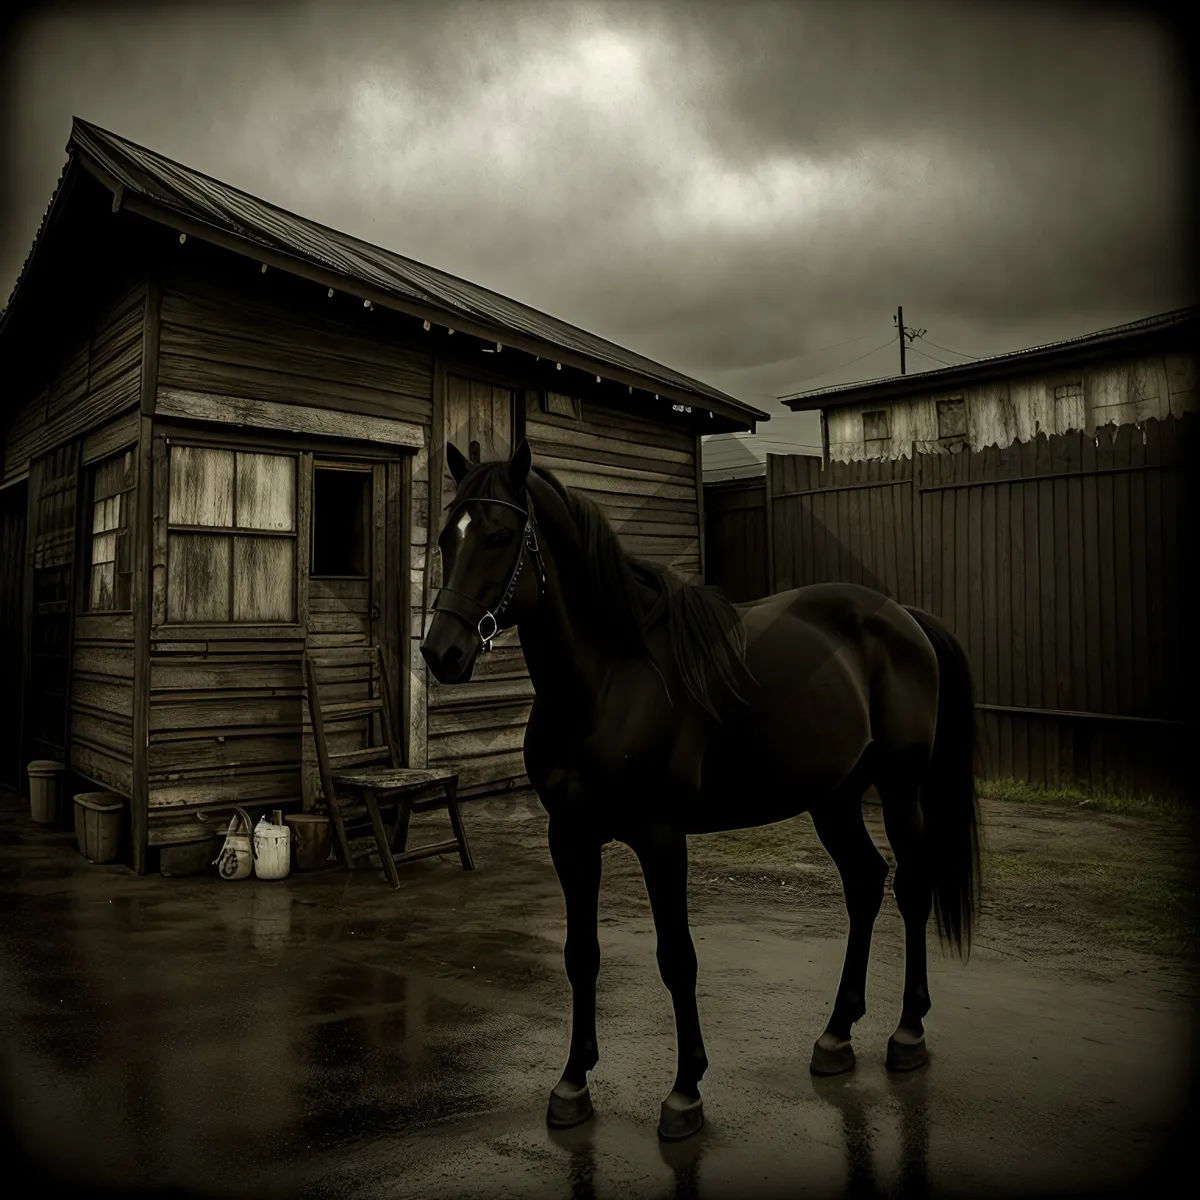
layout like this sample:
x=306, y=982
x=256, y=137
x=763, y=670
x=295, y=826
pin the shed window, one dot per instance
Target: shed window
x=231, y=542
x=1068, y=406
x=560, y=405
x=875, y=425
x=341, y=521
x=111, y=565
x=952, y=418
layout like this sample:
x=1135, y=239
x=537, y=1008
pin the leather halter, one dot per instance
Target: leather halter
x=453, y=601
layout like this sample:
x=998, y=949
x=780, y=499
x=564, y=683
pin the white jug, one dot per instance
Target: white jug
x=272, y=848
x=236, y=859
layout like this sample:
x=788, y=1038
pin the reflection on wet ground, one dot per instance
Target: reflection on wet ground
x=324, y=1036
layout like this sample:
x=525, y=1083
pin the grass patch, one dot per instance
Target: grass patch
x=1095, y=799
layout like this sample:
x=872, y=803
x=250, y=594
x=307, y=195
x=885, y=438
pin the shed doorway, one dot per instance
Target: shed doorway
x=347, y=589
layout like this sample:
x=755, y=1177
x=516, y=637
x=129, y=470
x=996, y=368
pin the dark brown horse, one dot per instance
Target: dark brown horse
x=661, y=710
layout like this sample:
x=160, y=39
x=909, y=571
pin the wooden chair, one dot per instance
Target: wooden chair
x=402, y=786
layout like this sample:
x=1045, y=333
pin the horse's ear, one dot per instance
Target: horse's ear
x=455, y=461
x=519, y=464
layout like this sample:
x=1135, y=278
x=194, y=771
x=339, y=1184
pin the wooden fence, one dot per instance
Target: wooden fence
x=1057, y=562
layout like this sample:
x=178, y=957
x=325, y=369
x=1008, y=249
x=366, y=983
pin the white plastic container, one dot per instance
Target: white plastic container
x=236, y=859
x=45, y=777
x=272, y=848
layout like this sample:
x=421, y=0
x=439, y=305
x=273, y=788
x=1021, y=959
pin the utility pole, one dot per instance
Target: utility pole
x=900, y=324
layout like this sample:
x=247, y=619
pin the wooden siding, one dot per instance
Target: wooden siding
x=1007, y=411
x=216, y=340
x=225, y=721
x=14, y=503
x=1057, y=562
x=641, y=472
x=735, y=534
x=97, y=377
x=102, y=700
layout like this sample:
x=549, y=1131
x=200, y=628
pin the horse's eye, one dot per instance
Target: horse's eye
x=494, y=541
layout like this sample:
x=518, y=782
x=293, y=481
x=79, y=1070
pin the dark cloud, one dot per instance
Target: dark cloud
x=730, y=188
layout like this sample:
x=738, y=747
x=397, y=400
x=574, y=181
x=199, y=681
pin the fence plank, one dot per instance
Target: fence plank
x=1047, y=590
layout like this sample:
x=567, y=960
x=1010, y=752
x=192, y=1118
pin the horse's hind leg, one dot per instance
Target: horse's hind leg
x=839, y=825
x=913, y=888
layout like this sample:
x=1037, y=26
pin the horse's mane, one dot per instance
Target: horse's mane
x=707, y=639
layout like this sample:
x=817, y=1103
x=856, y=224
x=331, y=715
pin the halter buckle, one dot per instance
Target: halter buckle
x=486, y=638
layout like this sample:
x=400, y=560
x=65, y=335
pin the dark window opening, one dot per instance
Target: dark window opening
x=952, y=418
x=341, y=522
x=875, y=425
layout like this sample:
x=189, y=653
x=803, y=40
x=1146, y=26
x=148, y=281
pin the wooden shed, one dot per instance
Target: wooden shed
x=221, y=423
x=1145, y=370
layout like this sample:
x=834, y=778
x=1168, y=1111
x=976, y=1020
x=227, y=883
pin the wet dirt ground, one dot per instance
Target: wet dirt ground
x=324, y=1036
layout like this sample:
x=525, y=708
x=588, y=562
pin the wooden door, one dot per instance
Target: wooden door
x=53, y=489
x=352, y=563
x=479, y=421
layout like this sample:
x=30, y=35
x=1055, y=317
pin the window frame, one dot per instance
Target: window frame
x=88, y=520
x=948, y=438
x=231, y=533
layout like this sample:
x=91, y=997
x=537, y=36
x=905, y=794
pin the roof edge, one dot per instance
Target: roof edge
x=1085, y=347
x=162, y=211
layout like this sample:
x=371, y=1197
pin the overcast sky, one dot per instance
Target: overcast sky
x=743, y=191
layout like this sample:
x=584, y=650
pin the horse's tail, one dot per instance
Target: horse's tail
x=948, y=802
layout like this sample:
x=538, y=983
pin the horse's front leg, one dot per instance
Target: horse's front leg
x=663, y=855
x=576, y=856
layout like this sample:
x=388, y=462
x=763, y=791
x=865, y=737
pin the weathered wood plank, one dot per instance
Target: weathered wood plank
x=105, y=769
x=188, y=405
x=215, y=790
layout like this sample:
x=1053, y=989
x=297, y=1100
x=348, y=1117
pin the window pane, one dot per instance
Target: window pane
x=107, y=515
x=263, y=579
x=201, y=486
x=266, y=491
x=104, y=548
x=102, y=599
x=197, y=577
x=114, y=475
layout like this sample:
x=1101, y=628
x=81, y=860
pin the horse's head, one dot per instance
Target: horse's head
x=492, y=569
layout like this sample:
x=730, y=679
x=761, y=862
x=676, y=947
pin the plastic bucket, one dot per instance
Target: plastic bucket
x=98, y=825
x=311, y=840
x=44, y=779
x=272, y=850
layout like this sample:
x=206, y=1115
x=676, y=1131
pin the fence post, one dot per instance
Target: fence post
x=915, y=501
x=769, y=517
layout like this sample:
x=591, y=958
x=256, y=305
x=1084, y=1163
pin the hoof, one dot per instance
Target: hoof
x=680, y=1117
x=906, y=1051
x=568, y=1105
x=831, y=1057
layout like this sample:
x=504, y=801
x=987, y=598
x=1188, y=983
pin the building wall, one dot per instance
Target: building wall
x=641, y=471
x=1017, y=410
x=228, y=721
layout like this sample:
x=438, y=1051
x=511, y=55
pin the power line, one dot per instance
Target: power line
x=853, y=360
x=835, y=345
x=948, y=350
x=932, y=357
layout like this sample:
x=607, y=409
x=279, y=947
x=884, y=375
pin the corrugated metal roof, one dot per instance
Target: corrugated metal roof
x=1032, y=357
x=176, y=188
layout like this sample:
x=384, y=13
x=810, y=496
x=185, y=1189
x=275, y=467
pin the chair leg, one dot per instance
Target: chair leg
x=460, y=832
x=399, y=839
x=339, y=830
x=381, y=838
